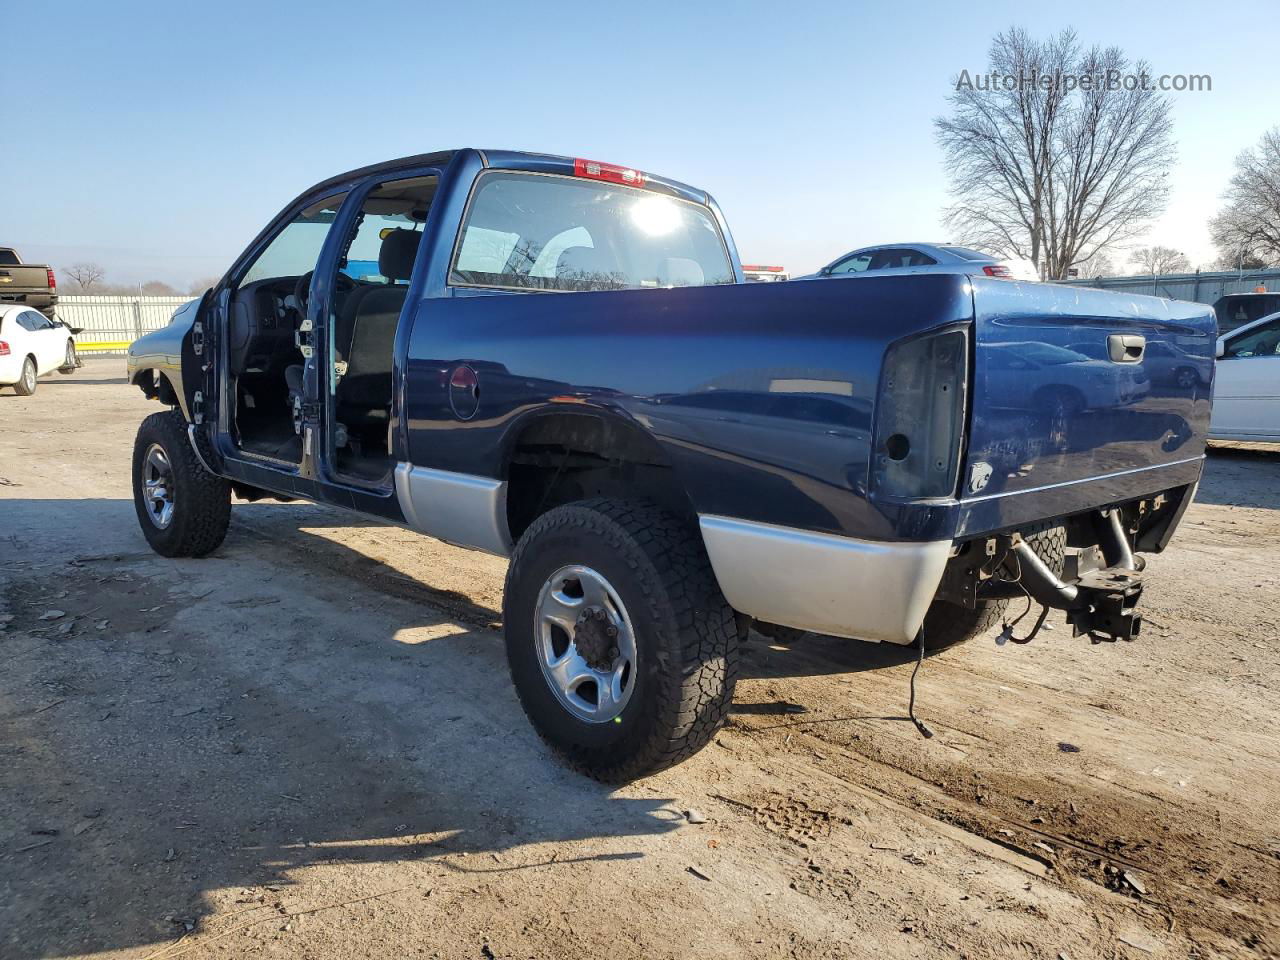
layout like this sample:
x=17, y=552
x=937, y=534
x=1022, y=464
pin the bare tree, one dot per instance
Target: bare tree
x=1159, y=260
x=1098, y=265
x=199, y=286
x=156, y=288
x=1248, y=227
x=85, y=275
x=1238, y=260
x=1048, y=159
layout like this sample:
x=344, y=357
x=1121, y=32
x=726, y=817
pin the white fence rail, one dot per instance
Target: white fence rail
x=110, y=324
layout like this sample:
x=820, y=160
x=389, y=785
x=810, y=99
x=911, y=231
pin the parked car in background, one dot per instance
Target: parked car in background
x=31, y=285
x=1235, y=310
x=1246, y=392
x=924, y=258
x=32, y=345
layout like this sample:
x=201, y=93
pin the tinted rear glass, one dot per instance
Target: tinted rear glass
x=532, y=231
x=965, y=253
x=8, y=258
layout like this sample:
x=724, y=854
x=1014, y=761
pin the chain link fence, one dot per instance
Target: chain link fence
x=110, y=323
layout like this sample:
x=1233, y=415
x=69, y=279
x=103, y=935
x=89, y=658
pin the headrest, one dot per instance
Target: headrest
x=584, y=263
x=399, y=249
x=680, y=272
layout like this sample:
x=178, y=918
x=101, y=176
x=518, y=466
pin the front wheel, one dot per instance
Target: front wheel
x=183, y=509
x=622, y=648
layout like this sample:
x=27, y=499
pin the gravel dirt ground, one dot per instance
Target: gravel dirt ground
x=307, y=746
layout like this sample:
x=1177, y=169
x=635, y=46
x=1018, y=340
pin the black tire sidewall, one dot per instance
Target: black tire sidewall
x=184, y=537
x=21, y=386
x=624, y=565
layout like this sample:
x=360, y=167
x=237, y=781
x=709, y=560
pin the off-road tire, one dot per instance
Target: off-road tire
x=26, y=384
x=71, y=362
x=201, y=501
x=947, y=624
x=686, y=635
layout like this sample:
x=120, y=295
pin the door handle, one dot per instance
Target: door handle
x=1126, y=347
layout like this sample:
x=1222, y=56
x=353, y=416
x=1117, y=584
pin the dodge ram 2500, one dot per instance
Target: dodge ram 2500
x=556, y=360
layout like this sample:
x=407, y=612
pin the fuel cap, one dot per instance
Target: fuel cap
x=464, y=392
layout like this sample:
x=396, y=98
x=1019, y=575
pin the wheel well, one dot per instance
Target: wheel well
x=156, y=386
x=560, y=458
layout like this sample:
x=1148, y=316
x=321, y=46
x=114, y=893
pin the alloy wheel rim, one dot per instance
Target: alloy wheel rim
x=157, y=485
x=586, y=644
x=29, y=375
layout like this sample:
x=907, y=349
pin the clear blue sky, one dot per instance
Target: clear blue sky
x=157, y=138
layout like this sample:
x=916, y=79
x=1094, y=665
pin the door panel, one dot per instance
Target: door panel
x=1247, y=396
x=46, y=340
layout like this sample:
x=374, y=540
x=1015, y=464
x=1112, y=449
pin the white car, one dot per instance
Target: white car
x=925, y=258
x=32, y=345
x=1246, y=386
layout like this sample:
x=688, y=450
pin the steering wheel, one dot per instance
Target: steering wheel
x=302, y=288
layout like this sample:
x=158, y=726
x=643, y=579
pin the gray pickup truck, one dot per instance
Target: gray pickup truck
x=33, y=285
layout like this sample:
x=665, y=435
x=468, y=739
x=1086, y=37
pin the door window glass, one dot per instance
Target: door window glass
x=854, y=264
x=296, y=248
x=1261, y=342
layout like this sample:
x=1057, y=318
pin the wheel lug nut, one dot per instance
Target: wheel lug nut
x=612, y=631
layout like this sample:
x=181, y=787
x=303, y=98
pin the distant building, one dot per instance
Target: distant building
x=756, y=273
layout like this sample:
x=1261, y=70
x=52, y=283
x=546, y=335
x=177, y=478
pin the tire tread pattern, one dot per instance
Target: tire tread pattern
x=693, y=690
x=202, y=507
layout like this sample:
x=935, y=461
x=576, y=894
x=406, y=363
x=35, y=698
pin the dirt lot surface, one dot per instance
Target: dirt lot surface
x=307, y=746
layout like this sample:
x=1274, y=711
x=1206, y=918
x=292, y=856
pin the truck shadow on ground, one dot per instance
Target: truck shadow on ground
x=238, y=719
x=1242, y=476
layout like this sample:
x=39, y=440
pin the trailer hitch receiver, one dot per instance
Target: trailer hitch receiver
x=1100, y=602
x=1106, y=605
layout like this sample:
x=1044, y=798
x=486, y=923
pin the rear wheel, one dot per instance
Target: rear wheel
x=26, y=384
x=183, y=509
x=622, y=649
x=947, y=624
x=70, y=362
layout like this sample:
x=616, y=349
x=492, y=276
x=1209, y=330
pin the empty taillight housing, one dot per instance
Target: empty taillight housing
x=920, y=416
x=53, y=281
x=996, y=270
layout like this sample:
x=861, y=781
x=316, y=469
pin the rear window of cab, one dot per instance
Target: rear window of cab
x=530, y=231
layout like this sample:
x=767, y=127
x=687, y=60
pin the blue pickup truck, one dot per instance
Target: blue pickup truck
x=556, y=360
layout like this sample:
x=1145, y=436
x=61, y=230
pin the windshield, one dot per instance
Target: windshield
x=565, y=233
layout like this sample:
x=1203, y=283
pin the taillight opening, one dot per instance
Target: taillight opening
x=608, y=172
x=52, y=280
x=919, y=419
x=4, y=348
x=996, y=270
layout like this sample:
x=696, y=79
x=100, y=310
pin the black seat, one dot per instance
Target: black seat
x=365, y=332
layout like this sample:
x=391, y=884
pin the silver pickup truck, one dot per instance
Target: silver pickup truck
x=33, y=285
